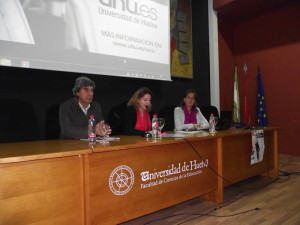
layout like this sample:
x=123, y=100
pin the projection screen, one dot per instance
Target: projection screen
x=128, y=38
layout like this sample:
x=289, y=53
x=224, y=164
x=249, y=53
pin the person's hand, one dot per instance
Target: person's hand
x=99, y=129
x=198, y=126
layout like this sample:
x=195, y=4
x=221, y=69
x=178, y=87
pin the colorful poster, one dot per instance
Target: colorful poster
x=181, y=39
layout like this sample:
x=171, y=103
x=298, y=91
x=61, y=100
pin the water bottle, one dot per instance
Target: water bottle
x=91, y=130
x=212, y=127
x=154, y=126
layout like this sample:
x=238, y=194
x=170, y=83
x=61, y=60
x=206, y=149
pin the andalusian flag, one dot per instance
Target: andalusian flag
x=247, y=109
x=236, y=99
x=260, y=104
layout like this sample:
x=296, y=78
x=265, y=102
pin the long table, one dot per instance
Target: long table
x=66, y=182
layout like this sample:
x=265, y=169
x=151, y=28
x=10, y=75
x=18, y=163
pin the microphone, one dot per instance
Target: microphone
x=238, y=124
x=250, y=127
x=233, y=106
x=147, y=134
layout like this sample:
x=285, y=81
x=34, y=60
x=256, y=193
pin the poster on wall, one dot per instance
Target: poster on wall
x=258, y=146
x=181, y=38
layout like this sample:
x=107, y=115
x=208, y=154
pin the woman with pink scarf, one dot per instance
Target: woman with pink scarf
x=188, y=116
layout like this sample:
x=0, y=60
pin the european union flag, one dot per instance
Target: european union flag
x=260, y=104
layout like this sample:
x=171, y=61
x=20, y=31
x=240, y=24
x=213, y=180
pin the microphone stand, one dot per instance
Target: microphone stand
x=241, y=124
x=238, y=124
x=147, y=134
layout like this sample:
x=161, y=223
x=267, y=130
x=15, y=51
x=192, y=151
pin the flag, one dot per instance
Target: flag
x=236, y=100
x=247, y=112
x=260, y=104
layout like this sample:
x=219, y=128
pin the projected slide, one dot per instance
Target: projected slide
x=13, y=23
x=108, y=37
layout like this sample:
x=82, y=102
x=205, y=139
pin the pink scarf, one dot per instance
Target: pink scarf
x=189, y=118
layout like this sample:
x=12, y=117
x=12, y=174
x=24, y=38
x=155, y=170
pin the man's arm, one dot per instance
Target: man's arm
x=68, y=129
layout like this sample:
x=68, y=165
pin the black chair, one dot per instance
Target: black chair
x=167, y=112
x=52, y=126
x=18, y=121
x=115, y=118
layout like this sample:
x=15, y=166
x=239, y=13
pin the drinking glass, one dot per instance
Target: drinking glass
x=216, y=120
x=104, y=128
x=161, y=124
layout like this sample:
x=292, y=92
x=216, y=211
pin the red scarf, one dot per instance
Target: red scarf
x=141, y=124
x=190, y=118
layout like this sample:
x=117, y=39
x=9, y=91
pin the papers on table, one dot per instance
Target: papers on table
x=109, y=138
x=173, y=136
x=189, y=131
x=101, y=139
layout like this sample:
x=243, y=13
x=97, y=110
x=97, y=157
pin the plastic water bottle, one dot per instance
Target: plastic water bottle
x=154, y=126
x=212, y=127
x=92, y=130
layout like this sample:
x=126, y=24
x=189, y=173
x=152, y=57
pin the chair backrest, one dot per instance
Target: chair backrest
x=207, y=110
x=52, y=126
x=115, y=118
x=18, y=121
x=167, y=112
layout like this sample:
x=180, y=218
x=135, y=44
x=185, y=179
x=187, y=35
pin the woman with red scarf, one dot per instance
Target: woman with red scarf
x=138, y=114
x=188, y=115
